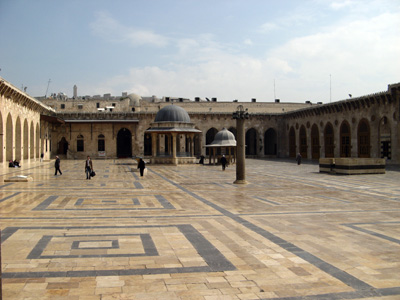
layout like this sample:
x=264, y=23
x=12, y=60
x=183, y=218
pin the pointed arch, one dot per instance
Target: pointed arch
x=303, y=141
x=345, y=139
x=37, y=140
x=80, y=143
x=315, y=146
x=385, y=138
x=270, y=142
x=292, y=142
x=251, y=142
x=210, y=135
x=329, y=140
x=26, y=139
x=32, y=140
x=124, y=143
x=363, y=138
x=9, y=138
x=18, y=139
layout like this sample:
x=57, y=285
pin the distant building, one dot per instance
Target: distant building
x=118, y=126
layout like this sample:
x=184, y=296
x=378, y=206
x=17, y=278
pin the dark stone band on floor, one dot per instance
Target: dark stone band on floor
x=375, y=234
x=333, y=271
x=215, y=260
x=46, y=203
x=8, y=197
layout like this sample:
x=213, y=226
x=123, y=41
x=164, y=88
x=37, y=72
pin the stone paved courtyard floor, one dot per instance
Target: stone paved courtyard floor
x=188, y=232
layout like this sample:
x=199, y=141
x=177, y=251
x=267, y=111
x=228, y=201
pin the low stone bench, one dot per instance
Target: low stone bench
x=18, y=178
x=352, y=166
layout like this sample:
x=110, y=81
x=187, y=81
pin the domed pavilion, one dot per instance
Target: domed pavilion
x=172, y=136
x=224, y=143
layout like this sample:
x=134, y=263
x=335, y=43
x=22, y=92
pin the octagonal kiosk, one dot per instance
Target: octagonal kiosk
x=172, y=137
x=224, y=143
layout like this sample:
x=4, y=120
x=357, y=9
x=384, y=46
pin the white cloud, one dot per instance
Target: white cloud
x=361, y=56
x=336, y=5
x=268, y=27
x=110, y=29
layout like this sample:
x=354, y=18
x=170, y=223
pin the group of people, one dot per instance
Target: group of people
x=14, y=164
x=88, y=167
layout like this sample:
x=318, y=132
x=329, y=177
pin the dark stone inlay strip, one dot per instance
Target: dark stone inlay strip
x=164, y=202
x=268, y=201
x=79, y=201
x=76, y=244
x=39, y=247
x=373, y=233
x=134, y=174
x=136, y=201
x=341, y=275
x=46, y=203
x=138, y=185
x=7, y=184
x=212, y=256
x=8, y=197
x=93, y=273
x=7, y=232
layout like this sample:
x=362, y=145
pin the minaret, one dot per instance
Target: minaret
x=75, y=91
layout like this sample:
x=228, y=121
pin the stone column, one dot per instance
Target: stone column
x=192, y=145
x=154, y=146
x=241, y=153
x=174, y=159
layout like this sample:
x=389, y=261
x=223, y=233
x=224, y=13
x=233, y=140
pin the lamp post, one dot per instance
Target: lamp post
x=240, y=115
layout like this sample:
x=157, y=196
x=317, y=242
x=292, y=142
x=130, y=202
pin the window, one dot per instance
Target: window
x=98, y=105
x=62, y=106
x=79, y=143
x=80, y=106
x=101, y=144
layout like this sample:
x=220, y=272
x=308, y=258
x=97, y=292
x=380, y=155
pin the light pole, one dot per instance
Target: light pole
x=240, y=115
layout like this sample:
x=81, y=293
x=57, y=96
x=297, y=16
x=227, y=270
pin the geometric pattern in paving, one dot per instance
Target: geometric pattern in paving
x=188, y=232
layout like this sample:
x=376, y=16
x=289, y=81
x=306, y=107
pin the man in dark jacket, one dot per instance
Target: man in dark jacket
x=141, y=166
x=57, y=166
x=88, y=167
x=223, y=162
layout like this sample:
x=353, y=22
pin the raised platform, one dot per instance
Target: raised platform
x=18, y=178
x=173, y=161
x=352, y=166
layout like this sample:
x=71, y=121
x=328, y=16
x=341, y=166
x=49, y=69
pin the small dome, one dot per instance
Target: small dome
x=172, y=113
x=134, y=99
x=224, y=138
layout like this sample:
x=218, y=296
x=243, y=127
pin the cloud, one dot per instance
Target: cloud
x=336, y=5
x=360, y=57
x=111, y=30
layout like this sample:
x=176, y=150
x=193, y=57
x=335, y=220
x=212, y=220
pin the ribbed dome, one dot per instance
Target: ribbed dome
x=224, y=138
x=172, y=113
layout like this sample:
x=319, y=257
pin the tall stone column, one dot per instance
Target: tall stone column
x=240, y=115
x=174, y=159
x=154, y=145
x=192, y=145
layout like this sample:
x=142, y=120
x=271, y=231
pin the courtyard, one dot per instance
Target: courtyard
x=188, y=232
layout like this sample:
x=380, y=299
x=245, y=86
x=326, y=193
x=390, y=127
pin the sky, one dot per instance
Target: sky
x=292, y=50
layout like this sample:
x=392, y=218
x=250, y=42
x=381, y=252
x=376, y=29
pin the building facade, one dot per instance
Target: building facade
x=111, y=127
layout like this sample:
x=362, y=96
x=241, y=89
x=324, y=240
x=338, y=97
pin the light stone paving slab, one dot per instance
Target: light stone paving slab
x=188, y=232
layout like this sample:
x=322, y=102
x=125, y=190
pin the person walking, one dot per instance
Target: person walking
x=57, y=166
x=141, y=166
x=88, y=167
x=223, y=162
x=298, y=158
